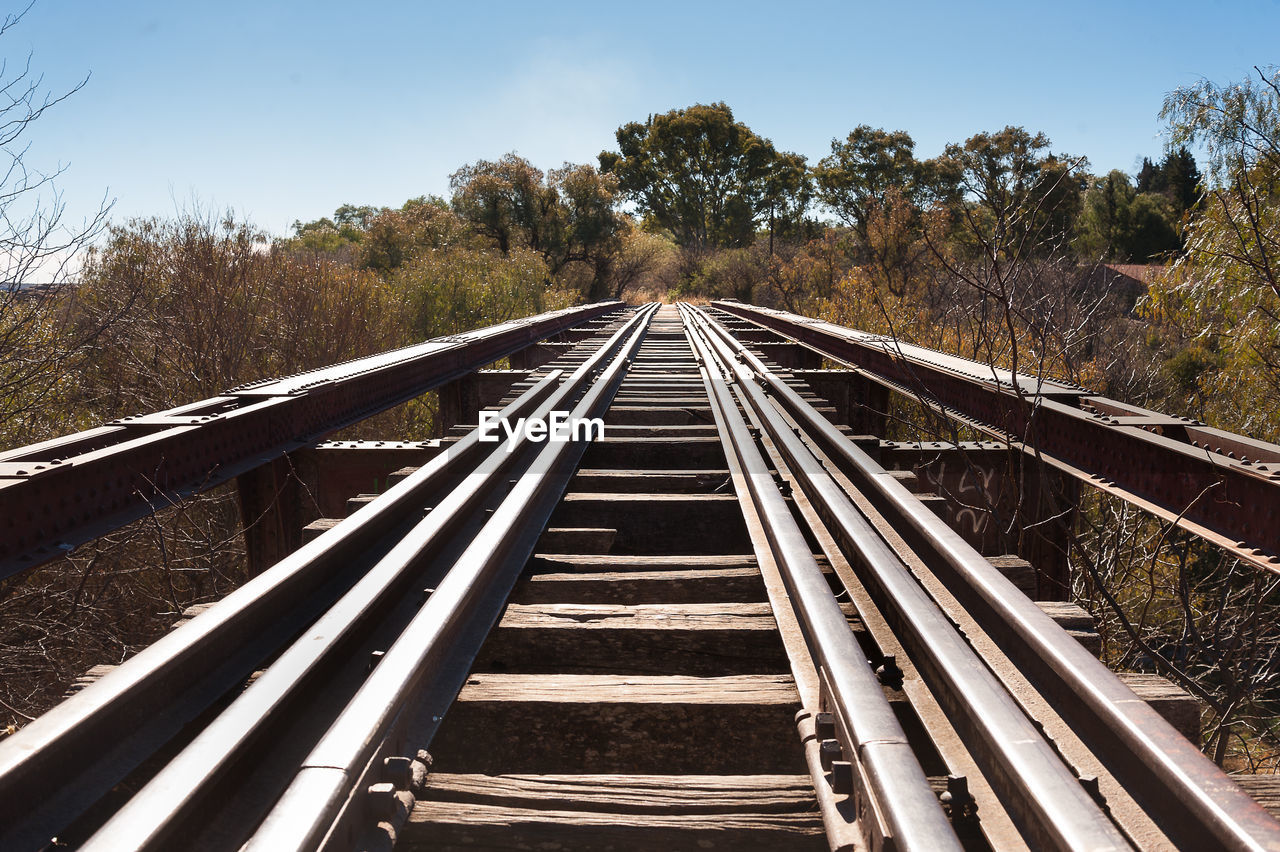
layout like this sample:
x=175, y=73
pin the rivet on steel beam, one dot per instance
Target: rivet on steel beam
x=382, y=800
x=888, y=671
x=824, y=725
x=426, y=594
x=828, y=751
x=1090, y=785
x=958, y=797
x=398, y=770
x=842, y=777
x=375, y=658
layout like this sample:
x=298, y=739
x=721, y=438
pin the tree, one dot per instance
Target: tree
x=38, y=254
x=394, y=237
x=873, y=183
x=855, y=178
x=505, y=200
x=1027, y=195
x=641, y=263
x=589, y=229
x=787, y=193
x=702, y=176
x=1176, y=178
x=461, y=287
x=568, y=216
x=1117, y=223
x=1224, y=295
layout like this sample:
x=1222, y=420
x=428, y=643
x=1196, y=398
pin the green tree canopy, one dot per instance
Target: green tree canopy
x=861, y=170
x=704, y=177
x=1177, y=178
x=1225, y=293
x=506, y=200
x=1119, y=223
x=568, y=215
x=1028, y=195
x=873, y=182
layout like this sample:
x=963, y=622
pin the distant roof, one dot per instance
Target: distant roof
x=1142, y=272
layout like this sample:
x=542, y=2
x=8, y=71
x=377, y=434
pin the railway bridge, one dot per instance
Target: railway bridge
x=740, y=618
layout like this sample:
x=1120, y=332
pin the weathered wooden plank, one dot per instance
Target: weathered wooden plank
x=1018, y=571
x=703, y=585
x=661, y=431
x=659, y=523
x=629, y=794
x=647, y=414
x=1265, y=790
x=1076, y=621
x=563, y=563
x=712, y=616
x=518, y=723
x=1178, y=707
x=594, y=540
x=627, y=689
x=650, y=481
x=654, y=453
x=358, y=502
x=1068, y=616
x=318, y=527
x=441, y=826
x=651, y=639
x=93, y=675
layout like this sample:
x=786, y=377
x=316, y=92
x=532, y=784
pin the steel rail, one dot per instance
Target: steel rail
x=326, y=804
x=66, y=491
x=153, y=816
x=1184, y=792
x=55, y=767
x=896, y=790
x=1220, y=486
x=1044, y=797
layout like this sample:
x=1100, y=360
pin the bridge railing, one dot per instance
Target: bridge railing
x=60, y=493
x=1218, y=485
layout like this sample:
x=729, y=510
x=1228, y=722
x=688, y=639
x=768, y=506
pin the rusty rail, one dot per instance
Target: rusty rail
x=1185, y=792
x=1218, y=485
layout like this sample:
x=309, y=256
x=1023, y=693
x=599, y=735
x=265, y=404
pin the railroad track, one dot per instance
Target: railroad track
x=722, y=625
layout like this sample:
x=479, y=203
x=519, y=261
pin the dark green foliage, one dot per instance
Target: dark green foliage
x=705, y=178
x=1176, y=178
x=568, y=215
x=1027, y=195
x=1185, y=367
x=861, y=170
x=1120, y=224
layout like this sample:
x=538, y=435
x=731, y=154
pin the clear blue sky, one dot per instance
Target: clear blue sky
x=284, y=111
